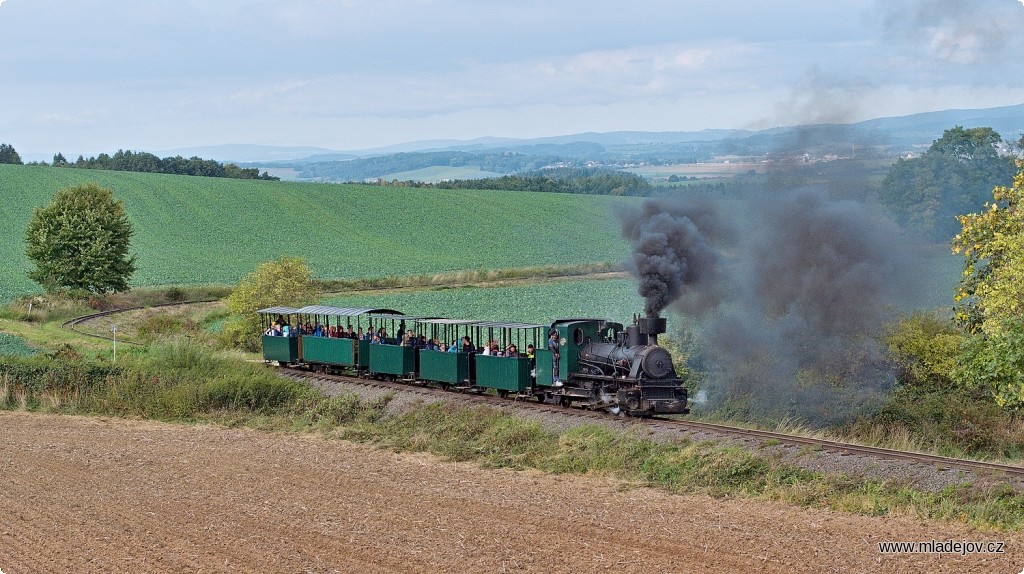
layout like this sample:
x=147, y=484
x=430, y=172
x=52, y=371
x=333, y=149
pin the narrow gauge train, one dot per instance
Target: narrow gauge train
x=598, y=363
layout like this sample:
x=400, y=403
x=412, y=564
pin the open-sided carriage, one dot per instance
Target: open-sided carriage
x=340, y=352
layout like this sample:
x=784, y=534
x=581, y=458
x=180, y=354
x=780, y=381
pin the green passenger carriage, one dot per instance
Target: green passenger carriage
x=445, y=367
x=284, y=350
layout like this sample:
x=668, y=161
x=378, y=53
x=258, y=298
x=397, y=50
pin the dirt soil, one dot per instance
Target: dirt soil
x=106, y=495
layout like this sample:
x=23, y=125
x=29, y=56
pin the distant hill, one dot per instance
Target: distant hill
x=901, y=133
x=249, y=153
x=923, y=129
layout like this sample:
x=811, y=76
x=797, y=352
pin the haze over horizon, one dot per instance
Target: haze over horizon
x=85, y=78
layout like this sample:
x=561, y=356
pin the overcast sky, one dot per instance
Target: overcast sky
x=87, y=77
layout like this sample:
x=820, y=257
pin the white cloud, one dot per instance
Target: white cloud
x=356, y=73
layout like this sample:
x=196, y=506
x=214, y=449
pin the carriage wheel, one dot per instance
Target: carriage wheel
x=503, y=393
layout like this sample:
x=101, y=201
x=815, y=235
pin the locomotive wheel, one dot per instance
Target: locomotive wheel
x=540, y=397
x=565, y=402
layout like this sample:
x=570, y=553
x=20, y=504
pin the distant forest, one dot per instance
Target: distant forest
x=592, y=181
x=148, y=163
x=372, y=167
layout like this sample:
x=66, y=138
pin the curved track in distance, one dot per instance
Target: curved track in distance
x=72, y=324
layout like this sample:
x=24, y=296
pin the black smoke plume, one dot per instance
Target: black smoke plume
x=672, y=253
x=787, y=308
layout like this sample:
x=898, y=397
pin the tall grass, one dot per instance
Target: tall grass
x=178, y=381
x=493, y=438
x=185, y=382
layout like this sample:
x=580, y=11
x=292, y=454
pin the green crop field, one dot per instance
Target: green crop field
x=13, y=345
x=208, y=230
x=615, y=299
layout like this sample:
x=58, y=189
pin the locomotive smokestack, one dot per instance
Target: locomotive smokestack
x=652, y=327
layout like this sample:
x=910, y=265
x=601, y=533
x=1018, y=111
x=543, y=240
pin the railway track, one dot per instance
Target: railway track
x=946, y=463
x=942, y=462
x=73, y=324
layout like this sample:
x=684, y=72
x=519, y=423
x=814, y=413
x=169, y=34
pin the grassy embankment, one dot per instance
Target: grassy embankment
x=183, y=382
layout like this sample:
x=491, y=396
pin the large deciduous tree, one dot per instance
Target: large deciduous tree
x=80, y=242
x=991, y=294
x=954, y=176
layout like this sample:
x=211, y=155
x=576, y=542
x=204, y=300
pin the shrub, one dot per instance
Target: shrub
x=925, y=347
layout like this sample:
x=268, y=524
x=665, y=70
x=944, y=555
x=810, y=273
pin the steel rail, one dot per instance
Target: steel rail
x=72, y=324
x=843, y=448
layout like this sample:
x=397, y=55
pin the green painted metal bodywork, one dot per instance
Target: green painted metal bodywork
x=331, y=351
x=572, y=337
x=544, y=368
x=281, y=349
x=504, y=373
x=363, y=356
x=444, y=367
x=392, y=360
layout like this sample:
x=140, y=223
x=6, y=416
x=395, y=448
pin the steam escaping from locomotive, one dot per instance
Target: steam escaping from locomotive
x=785, y=313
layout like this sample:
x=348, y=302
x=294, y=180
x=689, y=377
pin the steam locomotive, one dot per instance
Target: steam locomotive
x=594, y=363
x=621, y=369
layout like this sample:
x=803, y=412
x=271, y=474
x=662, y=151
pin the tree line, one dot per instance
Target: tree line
x=590, y=181
x=138, y=161
x=364, y=168
x=127, y=160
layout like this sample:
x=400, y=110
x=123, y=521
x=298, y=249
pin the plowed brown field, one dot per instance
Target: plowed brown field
x=105, y=495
